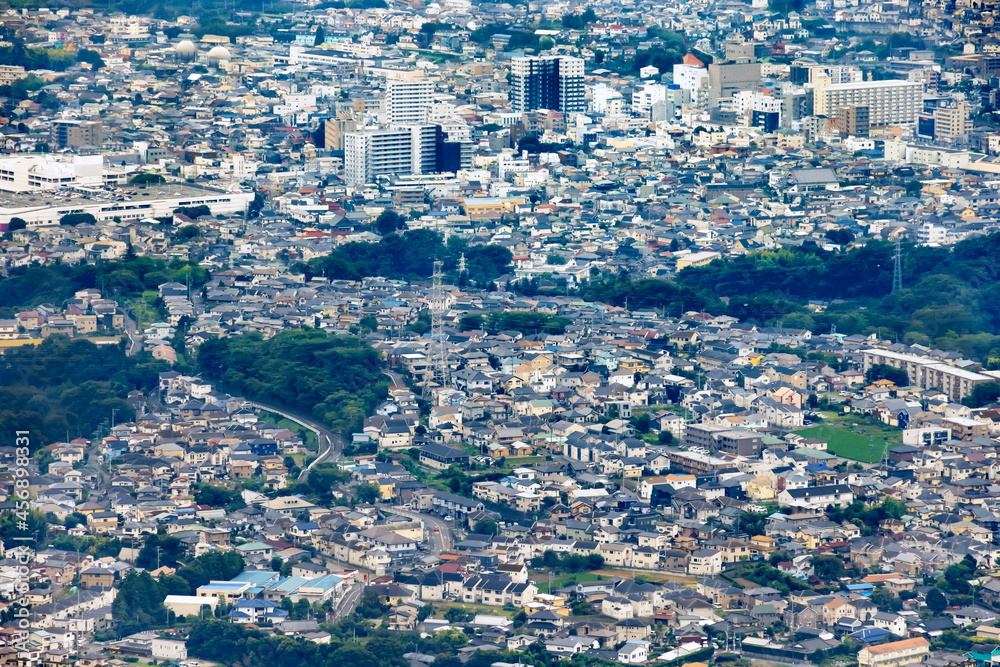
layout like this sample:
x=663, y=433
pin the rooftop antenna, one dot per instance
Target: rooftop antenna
x=897, y=268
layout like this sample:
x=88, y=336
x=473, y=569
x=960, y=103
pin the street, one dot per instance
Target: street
x=330, y=443
x=440, y=540
x=346, y=604
x=133, y=334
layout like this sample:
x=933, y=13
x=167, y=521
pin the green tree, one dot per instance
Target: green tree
x=16, y=224
x=458, y=615
x=642, y=422
x=388, y=222
x=187, y=232
x=486, y=527
x=472, y=322
x=828, y=568
x=320, y=36
x=147, y=178
x=936, y=601
x=368, y=492
x=885, y=600
x=896, y=376
x=73, y=219
x=371, y=606
x=982, y=394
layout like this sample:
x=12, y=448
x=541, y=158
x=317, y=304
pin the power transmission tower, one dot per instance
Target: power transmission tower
x=897, y=268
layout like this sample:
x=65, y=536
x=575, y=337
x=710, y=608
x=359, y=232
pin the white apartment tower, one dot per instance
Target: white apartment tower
x=408, y=101
x=404, y=150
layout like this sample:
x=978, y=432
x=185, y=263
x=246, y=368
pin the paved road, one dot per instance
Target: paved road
x=330, y=443
x=397, y=379
x=346, y=604
x=134, y=336
x=440, y=540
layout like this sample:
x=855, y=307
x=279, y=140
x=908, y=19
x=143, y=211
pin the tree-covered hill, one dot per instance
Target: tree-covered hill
x=29, y=286
x=69, y=387
x=950, y=297
x=411, y=256
x=336, y=379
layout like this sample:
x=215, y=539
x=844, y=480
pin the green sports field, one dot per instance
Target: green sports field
x=850, y=444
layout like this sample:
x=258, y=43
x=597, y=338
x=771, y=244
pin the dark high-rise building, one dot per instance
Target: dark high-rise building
x=554, y=83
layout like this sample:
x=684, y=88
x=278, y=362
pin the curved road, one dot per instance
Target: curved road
x=440, y=540
x=397, y=379
x=329, y=442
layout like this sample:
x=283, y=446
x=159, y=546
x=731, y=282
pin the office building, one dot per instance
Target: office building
x=693, y=80
x=951, y=122
x=406, y=150
x=77, y=133
x=552, y=82
x=644, y=98
x=894, y=102
x=727, y=79
x=408, y=101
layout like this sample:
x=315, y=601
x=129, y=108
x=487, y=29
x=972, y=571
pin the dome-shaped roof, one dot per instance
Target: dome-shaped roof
x=186, y=48
x=219, y=53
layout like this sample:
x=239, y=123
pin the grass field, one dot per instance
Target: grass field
x=854, y=438
x=542, y=579
x=511, y=463
x=441, y=607
x=649, y=575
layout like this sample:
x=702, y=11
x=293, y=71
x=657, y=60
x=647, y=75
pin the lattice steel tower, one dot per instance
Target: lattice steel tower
x=897, y=268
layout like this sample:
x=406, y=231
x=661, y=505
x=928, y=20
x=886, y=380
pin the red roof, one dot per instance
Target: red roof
x=690, y=59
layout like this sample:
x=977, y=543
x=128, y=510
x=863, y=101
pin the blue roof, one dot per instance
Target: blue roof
x=254, y=604
x=259, y=577
x=325, y=582
x=223, y=585
x=290, y=584
x=871, y=635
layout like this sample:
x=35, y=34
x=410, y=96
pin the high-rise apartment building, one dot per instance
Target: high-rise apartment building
x=951, y=122
x=894, y=102
x=408, y=101
x=853, y=121
x=75, y=133
x=551, y=82
x=411, y=149
x=335, y=129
